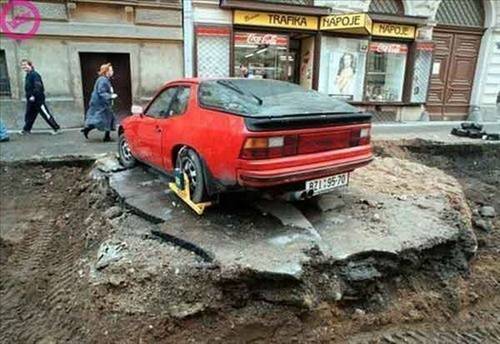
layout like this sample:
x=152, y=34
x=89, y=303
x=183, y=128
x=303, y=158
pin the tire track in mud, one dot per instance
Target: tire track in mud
x=39, y=287
x=479, y=324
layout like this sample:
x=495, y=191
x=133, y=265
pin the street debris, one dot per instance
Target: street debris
x=113, y=212
x=487, y=211
x=109, y=252
x=474, y=131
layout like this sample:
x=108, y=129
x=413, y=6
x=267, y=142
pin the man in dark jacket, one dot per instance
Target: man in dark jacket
x=35, y=99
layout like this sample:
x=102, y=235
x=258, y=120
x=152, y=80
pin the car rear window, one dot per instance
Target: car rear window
x=267, y=98
x=222, y=96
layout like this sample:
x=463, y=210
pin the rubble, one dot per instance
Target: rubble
x=109, y=252
x=487, y=211
x=113, y=212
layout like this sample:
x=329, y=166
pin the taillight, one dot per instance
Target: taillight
x=306, y=143
x=364, y=136
x=269, y=147
x=360, y=137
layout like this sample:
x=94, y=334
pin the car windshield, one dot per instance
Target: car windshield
x=268, y=98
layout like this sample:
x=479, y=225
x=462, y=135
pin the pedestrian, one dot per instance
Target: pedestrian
x=35, y=99
x=4, y=135
x=100, y=113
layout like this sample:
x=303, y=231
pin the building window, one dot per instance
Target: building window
x=343, y=67
x=387, y=7
x=4, y=76
x=262, y=55
x=385, y=72
x=213, y=51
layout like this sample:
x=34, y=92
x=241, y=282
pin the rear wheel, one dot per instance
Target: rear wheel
x=190, y=163
x=125, y=155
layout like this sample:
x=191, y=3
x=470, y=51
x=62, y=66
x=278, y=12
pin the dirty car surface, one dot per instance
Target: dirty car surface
x=245, y=133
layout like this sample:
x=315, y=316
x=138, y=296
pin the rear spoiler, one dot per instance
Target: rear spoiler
x=305, y=121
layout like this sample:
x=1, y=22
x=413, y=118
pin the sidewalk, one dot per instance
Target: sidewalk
x=432, y=131
x=71, y=143
x=41, y=145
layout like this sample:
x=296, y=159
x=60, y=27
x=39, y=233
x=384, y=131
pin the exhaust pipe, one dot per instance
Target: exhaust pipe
x=297, y=195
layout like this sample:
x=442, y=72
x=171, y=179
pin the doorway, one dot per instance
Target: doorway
x=90, y=63
x=453, y=70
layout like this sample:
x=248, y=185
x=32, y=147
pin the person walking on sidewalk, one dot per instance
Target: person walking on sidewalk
x=100, y=113
x=35, y=99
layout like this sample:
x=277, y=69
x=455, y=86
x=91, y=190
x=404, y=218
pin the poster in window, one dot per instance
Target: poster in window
x=346, y=69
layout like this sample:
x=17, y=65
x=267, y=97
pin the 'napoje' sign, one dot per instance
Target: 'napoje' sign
x=393, y=30
x=292, y=21
x=350, y=23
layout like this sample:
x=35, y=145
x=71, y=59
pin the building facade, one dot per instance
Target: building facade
x=402, y=59
x=142, y=39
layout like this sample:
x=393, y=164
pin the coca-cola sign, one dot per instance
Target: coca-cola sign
x=388, y=48
x=260, y=39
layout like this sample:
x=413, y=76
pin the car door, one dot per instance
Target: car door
x=174, y=127
x=150, y=130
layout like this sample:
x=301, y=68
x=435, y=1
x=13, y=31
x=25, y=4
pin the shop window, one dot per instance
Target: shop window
x=385, y=72
x=343, y=67
x=213, y=51
x=262, y=56
x=4, y=76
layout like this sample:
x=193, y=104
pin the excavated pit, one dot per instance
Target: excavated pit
x=79, y=263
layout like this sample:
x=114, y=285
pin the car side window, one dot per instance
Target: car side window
x=161, y=105
x=180, y=102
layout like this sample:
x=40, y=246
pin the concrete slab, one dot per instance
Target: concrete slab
x=390, y=207
x=142, y=191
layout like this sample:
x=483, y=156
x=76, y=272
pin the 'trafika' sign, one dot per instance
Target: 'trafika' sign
x=359, y=23
x=281, y=20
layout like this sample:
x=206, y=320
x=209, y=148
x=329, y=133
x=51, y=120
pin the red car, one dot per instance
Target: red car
x=233, y=134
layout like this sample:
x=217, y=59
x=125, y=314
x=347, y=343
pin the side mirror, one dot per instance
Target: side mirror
x=137, y=110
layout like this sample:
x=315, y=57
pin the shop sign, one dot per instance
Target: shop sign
x=425, y=46
x=393, y=30
x=281, y=20
x=359, y=23
x=388, y=48
x=212, y=31
x=252, y=38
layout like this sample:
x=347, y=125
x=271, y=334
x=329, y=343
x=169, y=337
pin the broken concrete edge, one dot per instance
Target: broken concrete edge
x=206, y=256
x=55, y=161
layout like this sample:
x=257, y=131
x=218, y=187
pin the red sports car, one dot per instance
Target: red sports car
x=233, y=134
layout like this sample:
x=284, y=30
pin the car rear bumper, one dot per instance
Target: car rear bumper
x=275, y=172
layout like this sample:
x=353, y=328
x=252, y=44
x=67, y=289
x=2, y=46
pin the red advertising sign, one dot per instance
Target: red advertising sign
x=260, y=39
x=212, y=31
x=425, y=46
x=388, y=48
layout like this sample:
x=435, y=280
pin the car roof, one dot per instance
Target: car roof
x=198, y=80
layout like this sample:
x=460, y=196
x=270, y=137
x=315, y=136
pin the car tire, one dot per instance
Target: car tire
x=190, y=163
x=124, y=154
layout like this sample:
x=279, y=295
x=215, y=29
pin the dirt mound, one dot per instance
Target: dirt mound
x=77, y=267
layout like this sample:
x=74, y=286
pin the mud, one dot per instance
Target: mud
x=54, y=231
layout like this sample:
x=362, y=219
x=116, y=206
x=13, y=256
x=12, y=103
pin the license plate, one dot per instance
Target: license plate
x=327, y=184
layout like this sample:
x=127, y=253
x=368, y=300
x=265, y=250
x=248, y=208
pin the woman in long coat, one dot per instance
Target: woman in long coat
x=100, y=113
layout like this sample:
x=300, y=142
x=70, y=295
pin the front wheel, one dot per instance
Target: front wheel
x=189, y=163
x=125, y=155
